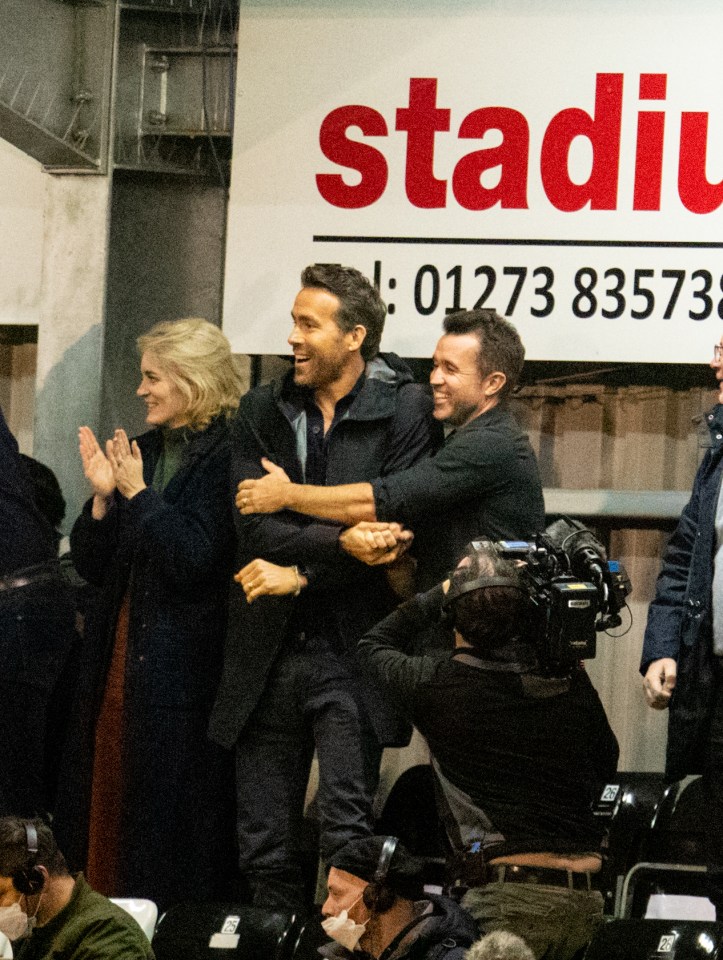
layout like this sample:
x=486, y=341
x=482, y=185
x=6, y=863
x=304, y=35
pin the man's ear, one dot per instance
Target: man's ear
x=45, y=874
x=495, y=381
x=356, y=337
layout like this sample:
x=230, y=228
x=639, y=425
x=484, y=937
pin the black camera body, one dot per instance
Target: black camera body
x=574, y=591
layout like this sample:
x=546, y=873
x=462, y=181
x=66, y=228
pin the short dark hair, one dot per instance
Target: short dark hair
x=490, y=616
x=500, y=345
x=14, y=853
x=359, y=301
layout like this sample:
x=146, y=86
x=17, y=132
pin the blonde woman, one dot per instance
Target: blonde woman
x=144, y=798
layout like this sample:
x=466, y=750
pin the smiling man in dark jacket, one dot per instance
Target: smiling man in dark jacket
x=346, y=413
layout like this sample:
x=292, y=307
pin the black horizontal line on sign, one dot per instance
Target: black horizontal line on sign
x=481, y=242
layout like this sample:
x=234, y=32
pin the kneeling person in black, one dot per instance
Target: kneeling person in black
x=518, y=755
x=50, y=914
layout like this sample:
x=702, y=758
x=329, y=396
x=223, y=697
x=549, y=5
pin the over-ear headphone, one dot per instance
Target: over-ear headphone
x=29, y=879
x=378, y=896
x=458, y=589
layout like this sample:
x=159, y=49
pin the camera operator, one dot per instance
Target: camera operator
x=518, y=754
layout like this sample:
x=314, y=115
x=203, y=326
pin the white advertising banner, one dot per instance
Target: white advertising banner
x=560, y=162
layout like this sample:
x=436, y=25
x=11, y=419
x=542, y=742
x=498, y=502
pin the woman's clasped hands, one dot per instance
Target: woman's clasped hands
x=119, y=468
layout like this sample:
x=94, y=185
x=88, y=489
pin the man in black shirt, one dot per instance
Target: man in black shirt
x=518, y=755
x=36, y=635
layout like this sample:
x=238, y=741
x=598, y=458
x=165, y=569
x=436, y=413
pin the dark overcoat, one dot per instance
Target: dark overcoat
x=388, y=427
x=680, y=616
x=173, y=553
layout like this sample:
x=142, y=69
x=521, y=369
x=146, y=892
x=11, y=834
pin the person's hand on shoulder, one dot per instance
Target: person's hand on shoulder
x=265, y=495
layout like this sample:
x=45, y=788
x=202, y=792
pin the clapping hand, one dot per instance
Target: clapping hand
x=96, y=465
x=126, y=462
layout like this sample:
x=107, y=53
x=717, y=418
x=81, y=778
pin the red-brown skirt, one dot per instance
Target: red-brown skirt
x=107, y=790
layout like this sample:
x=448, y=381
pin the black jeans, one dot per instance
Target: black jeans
x=309, y=702
x=37, y=634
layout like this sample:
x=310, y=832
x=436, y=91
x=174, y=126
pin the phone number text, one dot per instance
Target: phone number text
x=588, y=292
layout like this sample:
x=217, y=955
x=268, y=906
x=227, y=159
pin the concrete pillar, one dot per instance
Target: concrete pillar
x=70, y=338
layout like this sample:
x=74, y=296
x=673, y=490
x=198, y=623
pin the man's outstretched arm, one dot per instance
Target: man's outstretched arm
x=348, y=504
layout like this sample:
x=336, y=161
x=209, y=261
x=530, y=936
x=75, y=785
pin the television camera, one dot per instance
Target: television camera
x=572, y=586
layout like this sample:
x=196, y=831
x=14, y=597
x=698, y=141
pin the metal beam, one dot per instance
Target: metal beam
x=34, y=140
x=55, y=80
x=633, y=504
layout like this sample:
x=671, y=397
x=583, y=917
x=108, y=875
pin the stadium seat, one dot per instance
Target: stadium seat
x=212, y=931
x=656, y=940
x=311, y=936
x=144, y=912
x=674, y=891
x=670, y=879
x=627, y=805
x=410, y=813
x=676, y=834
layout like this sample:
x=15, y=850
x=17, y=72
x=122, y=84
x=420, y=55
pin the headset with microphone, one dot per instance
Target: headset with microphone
x=29, y=879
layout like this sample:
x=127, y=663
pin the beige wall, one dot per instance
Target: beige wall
x=22, y=186
x=22, y=201
x=53, y=230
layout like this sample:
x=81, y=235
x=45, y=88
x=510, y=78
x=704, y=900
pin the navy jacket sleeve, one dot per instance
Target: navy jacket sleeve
x=93, y=544
x=665, y=614
x=290, y=538
x=188, y=541
x=284, y=538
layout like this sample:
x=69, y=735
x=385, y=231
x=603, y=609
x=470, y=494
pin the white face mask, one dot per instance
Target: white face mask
x=344, y=930
x=13, y=922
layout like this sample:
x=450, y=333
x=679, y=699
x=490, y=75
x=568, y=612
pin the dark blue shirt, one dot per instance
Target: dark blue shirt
x=317, y=442
x=314, y=617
